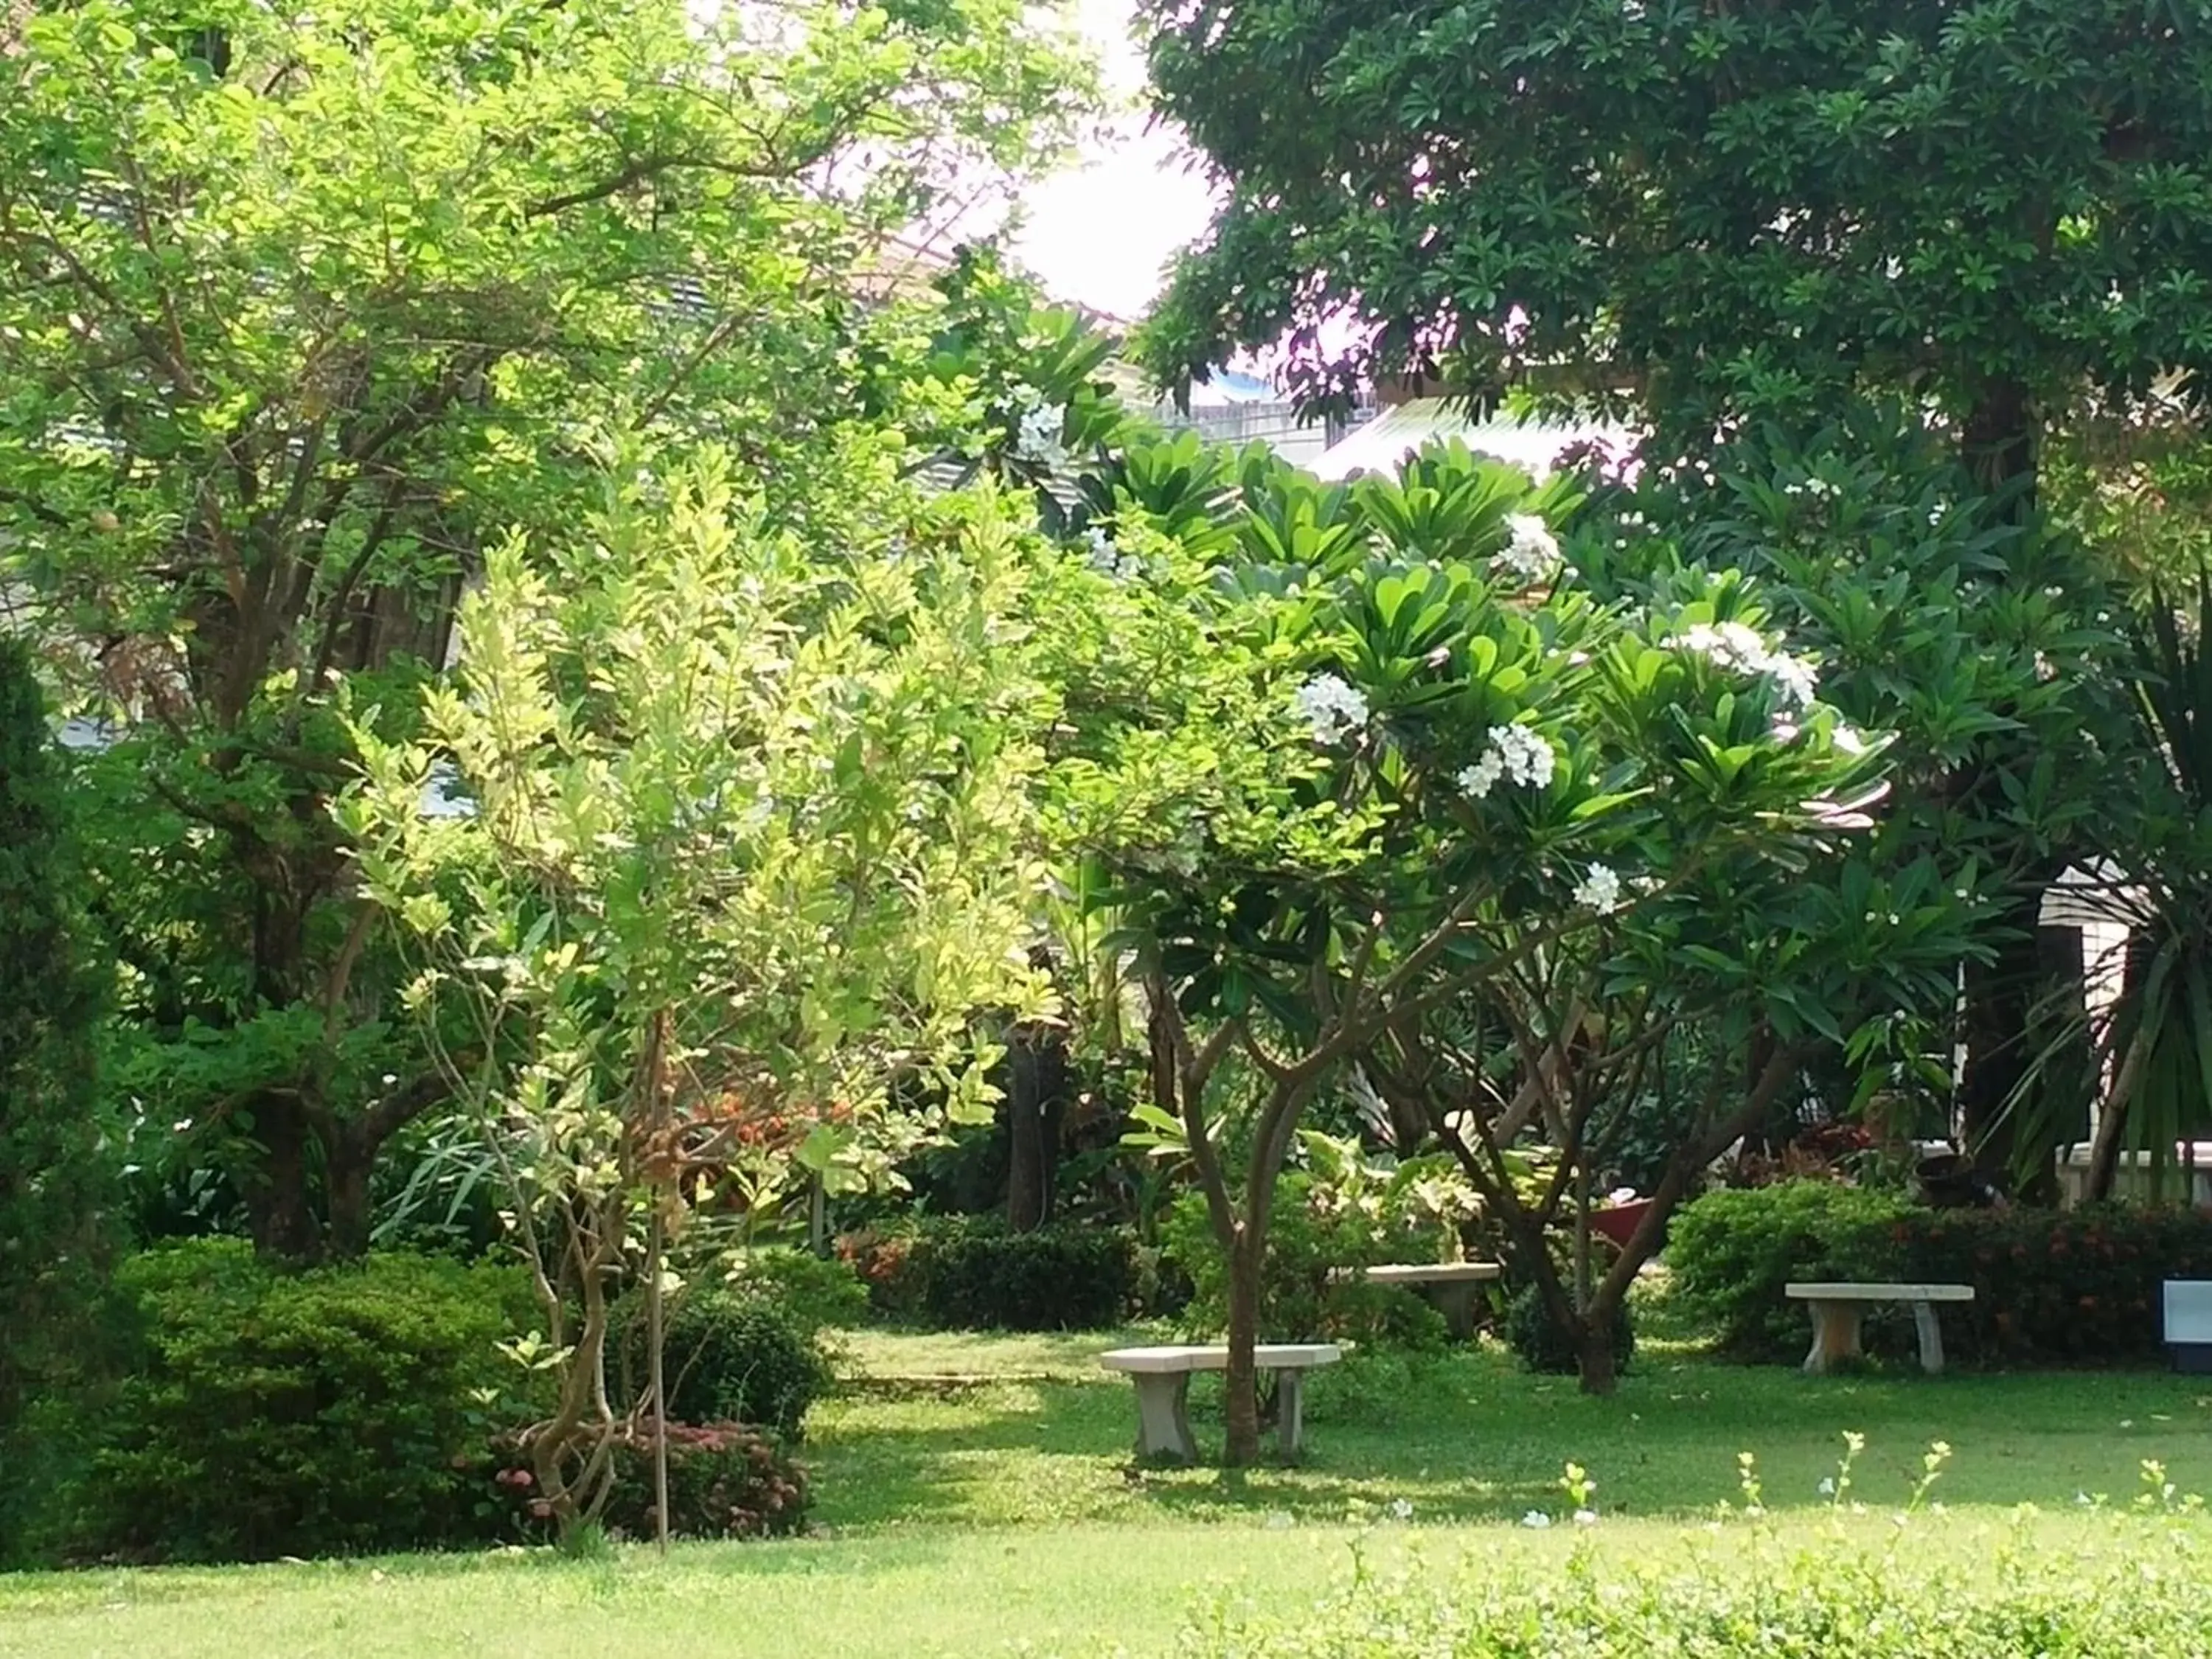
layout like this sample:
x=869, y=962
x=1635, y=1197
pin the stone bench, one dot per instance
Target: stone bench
x=1163, y=1379
x=1837, y=1309
x=1449, y=1286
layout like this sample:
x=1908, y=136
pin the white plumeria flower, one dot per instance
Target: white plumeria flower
x=1586, y=1517
x=1401, y=1509
x=1828, y=1486
x=1476, y=780
x=1598, y=890
x=1515, y=754
x=1537, y=1519
x=1333, y=709
x=1736, y=647
x=1532, y=552
x=1037, y=434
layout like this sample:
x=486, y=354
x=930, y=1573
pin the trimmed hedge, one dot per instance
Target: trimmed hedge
x=262, y=1413
x=2078, y=1286
x=742, y=1356
x=972, y=1272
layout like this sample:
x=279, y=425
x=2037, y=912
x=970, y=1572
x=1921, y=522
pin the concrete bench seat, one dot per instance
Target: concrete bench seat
x=1163, y=1377
x=1450, y=1287
x=1837, y=1309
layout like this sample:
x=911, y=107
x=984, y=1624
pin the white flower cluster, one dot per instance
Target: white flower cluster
x=1333, y=709
x=1037, y=432
x=1110, y=560
x=1515, y=754
x=1532, y=552
x=1736, y=647
x=1598, y=890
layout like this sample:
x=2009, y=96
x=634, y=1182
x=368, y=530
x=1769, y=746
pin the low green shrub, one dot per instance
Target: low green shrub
x=724, y=1480
x=2072, y=1286
x=731, y=1355
x=1312, y=1289
x=820, y=1293
x=1545, y=1346
x=972, y=1272
x=2131, y=1590
x=261, y=1413
x=1730, y=1253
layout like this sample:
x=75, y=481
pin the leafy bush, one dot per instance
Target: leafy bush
x=2130, y=1590
x=2077, y=1286
x=1545, y=1346
x=971, y=1272
x=731, y=1355
x=263, y=1413
x=819, y=1294
x=1312, y=1289
x=1730, y=1253
x=724, y=1480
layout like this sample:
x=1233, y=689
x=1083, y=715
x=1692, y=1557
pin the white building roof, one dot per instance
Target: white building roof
x=1396, y=432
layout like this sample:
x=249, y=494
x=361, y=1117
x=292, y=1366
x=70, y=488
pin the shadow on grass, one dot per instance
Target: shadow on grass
x=1468, y=1436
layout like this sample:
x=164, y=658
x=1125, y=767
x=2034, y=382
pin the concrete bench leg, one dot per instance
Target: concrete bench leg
x=1163, y=1417
x=1455, y=1302
x=1931, y=1337
x=1835, y=1335
x=1290, y=1411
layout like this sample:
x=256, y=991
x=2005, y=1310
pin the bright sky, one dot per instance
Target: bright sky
x=1099, y=234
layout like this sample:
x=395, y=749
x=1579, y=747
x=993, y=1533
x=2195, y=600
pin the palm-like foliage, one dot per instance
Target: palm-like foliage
x=2155, y=1044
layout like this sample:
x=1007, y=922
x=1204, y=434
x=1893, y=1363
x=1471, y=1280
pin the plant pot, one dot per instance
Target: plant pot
x=1620, y=1222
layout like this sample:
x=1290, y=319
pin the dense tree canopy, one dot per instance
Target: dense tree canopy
x=299, y=309
x=1721, y=210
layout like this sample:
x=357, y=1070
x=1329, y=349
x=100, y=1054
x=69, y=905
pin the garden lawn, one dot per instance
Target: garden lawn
x=975, y=1496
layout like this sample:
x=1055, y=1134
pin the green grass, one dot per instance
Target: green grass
x=1466, y=1437
x=975, y=1493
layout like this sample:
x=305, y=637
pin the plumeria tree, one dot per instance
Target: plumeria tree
x=1456, y=765
x=1726, y=952
x=747, y=824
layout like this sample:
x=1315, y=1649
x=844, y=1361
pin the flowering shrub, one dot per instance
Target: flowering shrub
x=724, y=1480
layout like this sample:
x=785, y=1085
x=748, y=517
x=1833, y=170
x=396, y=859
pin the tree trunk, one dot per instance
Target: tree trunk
x=347, y=1166
x=2000, y=439
x=1037, y=1077
x=276, y=1194
x=1241, y=1383
x=1593, y=1348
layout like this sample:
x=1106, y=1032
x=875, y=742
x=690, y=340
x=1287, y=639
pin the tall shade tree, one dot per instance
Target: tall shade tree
x=1721, y=211
x=746, y=823
x=1997, y=211
x=300, y=307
